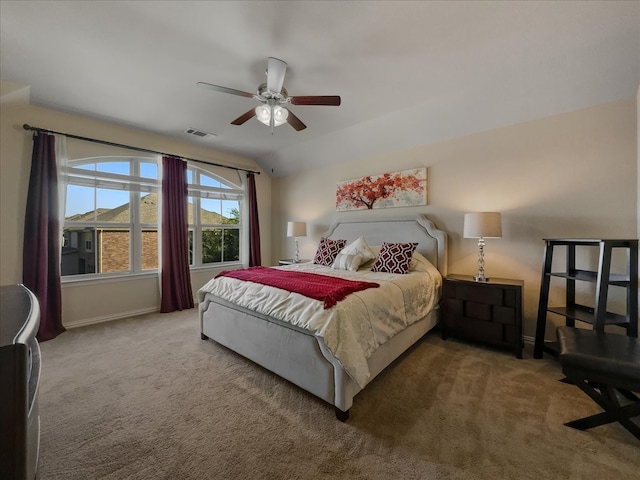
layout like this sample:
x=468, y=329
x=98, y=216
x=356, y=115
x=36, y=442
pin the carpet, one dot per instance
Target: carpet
x=146, y=398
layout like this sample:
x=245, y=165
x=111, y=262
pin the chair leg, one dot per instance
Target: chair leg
x=629, y=395
x=607, y=398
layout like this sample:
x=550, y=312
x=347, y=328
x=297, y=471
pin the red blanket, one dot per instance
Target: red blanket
x=328, y=289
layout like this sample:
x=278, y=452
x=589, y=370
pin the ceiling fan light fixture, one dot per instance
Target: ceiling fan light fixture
x=279, y=115
x=263, y=113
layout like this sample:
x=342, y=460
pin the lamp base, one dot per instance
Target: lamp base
x=480, y=278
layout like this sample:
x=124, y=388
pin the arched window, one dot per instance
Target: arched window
x=215, y=213
x=112, y=211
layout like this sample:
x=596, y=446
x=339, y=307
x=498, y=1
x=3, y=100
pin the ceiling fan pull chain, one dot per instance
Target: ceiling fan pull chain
x=272, y=119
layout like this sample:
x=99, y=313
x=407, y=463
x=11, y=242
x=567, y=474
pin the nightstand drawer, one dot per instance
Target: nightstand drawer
x=475, y=293
x=453, y=306
x=473, y=329
x=480, y=311
x=504, y=315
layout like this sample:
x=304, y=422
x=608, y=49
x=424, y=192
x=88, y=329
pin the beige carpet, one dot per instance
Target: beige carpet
x=145, y=398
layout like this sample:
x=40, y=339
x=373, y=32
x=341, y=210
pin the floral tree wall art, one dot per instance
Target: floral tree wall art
x=407, y=188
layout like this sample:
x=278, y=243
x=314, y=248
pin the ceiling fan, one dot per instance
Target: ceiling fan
x=272, y=95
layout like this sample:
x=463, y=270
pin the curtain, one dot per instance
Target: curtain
x=175, y=276
x=254, y=226
x=41, y=245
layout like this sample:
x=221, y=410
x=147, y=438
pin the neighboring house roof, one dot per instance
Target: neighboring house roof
x=148, y=213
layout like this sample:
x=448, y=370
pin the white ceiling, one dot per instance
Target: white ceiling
x=409, y=73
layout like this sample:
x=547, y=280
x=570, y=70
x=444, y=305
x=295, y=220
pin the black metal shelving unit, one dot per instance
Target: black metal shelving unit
x=598, y=316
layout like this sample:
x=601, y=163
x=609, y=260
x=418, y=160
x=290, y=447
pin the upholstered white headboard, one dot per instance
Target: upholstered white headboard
x=432, y=243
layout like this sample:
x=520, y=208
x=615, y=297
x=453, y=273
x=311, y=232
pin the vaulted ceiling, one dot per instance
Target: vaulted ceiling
x=408, y=72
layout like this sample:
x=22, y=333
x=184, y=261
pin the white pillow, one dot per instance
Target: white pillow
x=359, y=247
x=419, y=263
x=345, y=261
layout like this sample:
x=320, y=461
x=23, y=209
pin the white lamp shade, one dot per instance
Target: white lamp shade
x=280, y=116
x=296, y=229
x=263, y=113
x=482, y=225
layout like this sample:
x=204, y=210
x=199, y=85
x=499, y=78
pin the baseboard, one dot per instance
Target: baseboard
x=109, y=318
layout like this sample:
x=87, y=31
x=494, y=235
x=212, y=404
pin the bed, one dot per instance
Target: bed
x=298, y=350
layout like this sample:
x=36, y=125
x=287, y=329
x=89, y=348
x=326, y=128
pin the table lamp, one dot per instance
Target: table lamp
x=482, y=225
x=296, y=229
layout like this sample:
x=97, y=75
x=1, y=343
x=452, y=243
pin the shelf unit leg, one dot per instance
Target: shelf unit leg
x=541, y=324
x=571, y=283
x=632, y=294
x=602, y=287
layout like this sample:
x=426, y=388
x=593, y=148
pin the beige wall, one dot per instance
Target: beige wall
x=570, y=175
x=106, y=299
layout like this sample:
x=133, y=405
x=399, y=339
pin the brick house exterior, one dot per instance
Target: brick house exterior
x=113, y=244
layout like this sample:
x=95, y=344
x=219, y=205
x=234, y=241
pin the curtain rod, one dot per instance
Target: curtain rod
x=138, y=149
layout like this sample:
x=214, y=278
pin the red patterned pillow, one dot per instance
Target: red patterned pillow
x=328, y=251
x=394, y=257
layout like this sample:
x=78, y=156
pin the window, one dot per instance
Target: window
x=110, y=202
x=111, y=217
x=214, y=219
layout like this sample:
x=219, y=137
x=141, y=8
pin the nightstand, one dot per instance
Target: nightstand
x=289, y=261
x=488, y=312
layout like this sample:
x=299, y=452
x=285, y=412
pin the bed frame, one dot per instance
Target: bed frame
x=299, y=356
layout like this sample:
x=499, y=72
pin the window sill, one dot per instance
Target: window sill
x=78, y=280
x=74, y=280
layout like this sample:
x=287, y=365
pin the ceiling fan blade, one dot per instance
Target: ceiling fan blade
x=244, y=117
x=330, y=100
x=276, y=69
x=218, y=88
x=295, y=122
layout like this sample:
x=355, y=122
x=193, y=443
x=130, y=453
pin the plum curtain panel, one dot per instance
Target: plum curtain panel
x=175, y=275
x=41, y=245
x=254, y=226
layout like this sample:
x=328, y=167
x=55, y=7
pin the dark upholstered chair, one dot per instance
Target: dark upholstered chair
x=607, y=368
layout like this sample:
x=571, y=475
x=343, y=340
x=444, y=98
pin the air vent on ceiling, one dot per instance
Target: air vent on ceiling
x=199, y=133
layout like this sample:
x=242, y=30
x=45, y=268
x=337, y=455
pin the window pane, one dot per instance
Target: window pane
x=113, y=206
x=190, y=210
x=149, y=249
x=122, y=168
x=113, y=250
x=80, y=205
x=189, y=176
x=149, y=208
x=231, y=211
x=78, y=252
x=210, y=211
x=86, y=166
x=231, y=245
x=209, y=182
x=148, y=170
x=212, y=245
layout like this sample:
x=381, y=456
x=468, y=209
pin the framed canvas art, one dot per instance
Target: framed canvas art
x=407, y=188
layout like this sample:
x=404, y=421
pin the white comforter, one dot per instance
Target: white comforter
x=357, y=325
